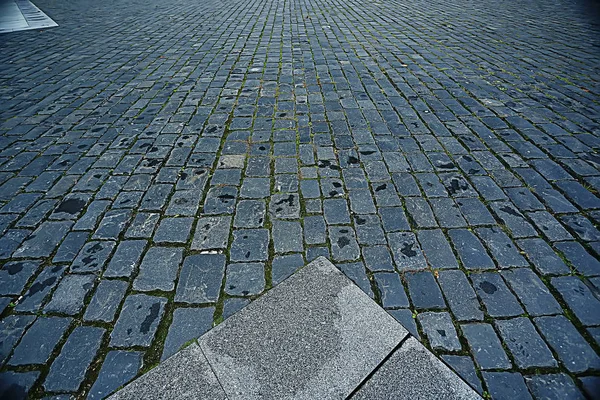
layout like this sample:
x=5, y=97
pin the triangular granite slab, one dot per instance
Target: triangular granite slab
x=314, y=336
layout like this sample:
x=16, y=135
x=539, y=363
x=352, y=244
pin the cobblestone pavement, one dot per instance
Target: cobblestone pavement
x=164, y=162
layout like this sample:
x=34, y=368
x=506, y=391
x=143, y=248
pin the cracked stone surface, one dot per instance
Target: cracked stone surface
x=444, y=156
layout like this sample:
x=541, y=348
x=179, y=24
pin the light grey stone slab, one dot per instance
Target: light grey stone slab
x=413, y=372
x=186, y=375
x=314, y=336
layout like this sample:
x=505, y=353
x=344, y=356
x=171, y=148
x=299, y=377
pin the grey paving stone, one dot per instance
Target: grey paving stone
x=545, y=260
x=38, y=343
x=495, y=295
x=284, y=266
x=113, y=223
x=393, y=219
x=184, y=203
x=513, y=219
x=420, y=212
x=440, y=331
x=344, y=246
x=200, y=278
x=333, y=364
x=70, y=247
x=285, y=206
x=173, y=230
x=119, y=367
x=506, y=385
x=525, y=344
x=249, y=245
x=211, y=233
x=41, y=287
x=532, y=292
x=572, y=349
x=378, y=258
x=220, y=200
x=16, y=385
x=485, y=346
x=475, y=212
x=159, y=268
x=11, y=240
x=361, y=202
x=106, y=300
x=287, y=236
x=406, y=251
x=255, y=188
x=460, y=296
x=250, y=214
x=412, y=372
x=198, y=381
x=424, y=291
x=143, y=225
x=436, y=249
x=69, y=296
x=11, y=330
x=464, y=367
x=138, y=321
x=470, y=250
x=312, y=253
x=579, y=298
x=188, y=324
x=245, y=279
x=156, y=197
x=356, y=272
x=42, y=242
x=391, y=290
x=336, y=211
x=15, y=275
x=126, y=258
x=576, y=254
x=591, y=386
x=369, y=230
x=69, y=368
x=549, y=226
x=314, y=230
x=501, y=248
x=92, y=257
x=553, y=387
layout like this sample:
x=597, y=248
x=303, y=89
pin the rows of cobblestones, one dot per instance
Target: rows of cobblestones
x=164, y=163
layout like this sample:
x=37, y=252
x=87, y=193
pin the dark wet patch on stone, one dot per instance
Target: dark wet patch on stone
x=71, y=206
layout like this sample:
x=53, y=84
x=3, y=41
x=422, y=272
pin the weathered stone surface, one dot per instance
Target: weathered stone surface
x=119, y=367
x=138, y=321
x=69, y=368
x=333, y=363
x=245, y=279
x=158, y=270
x=106, y=301
x=211, y=233
x=525, y=344
x=15, y=275
x=39, y=341
x=200, y=278
x=43, y=241
x=92, y=257
x=412, y=372
x=70, y=294
x=41, y=287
